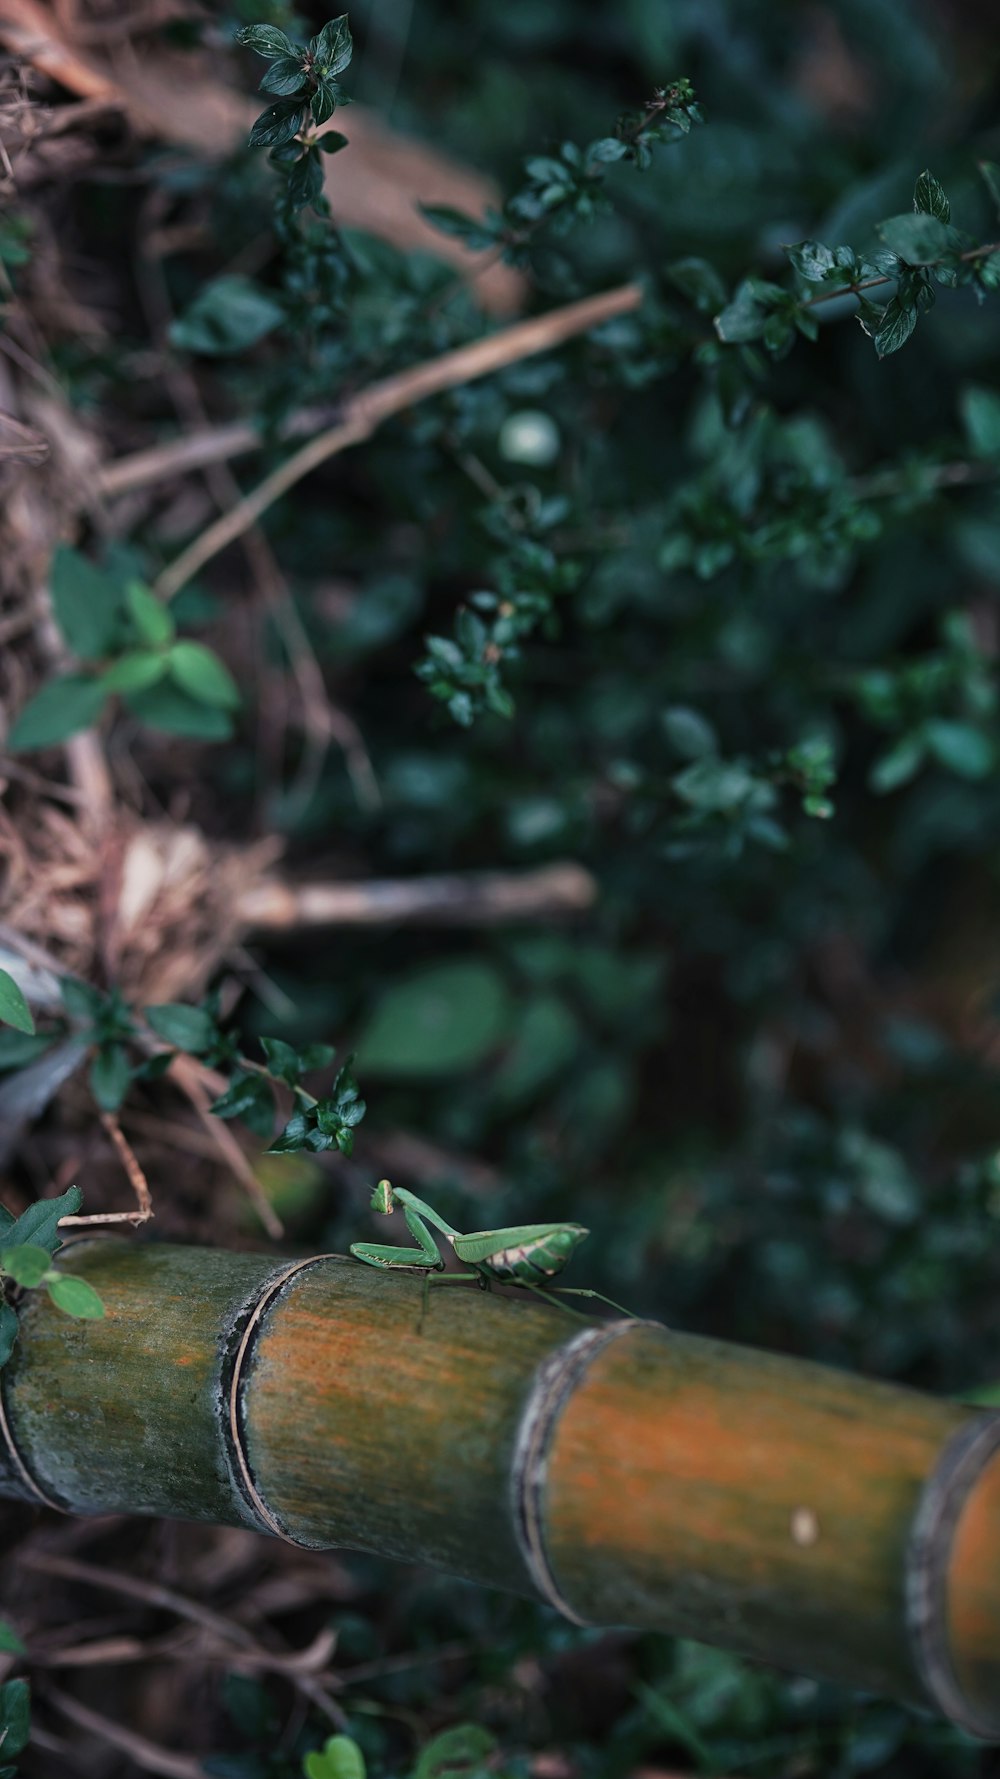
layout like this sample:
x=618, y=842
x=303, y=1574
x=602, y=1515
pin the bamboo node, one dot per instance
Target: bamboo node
x=555, y=1381
x=233, y=1426
x=945, y=1493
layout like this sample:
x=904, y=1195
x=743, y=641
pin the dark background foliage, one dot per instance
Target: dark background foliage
x=763, y=1070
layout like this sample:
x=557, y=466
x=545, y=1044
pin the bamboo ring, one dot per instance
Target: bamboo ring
x=33, y=1488
x=945, y=1494
x=555, y=1381
x=238, y=1451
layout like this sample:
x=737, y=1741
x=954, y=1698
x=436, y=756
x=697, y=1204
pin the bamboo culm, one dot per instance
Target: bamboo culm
x=625, y=1473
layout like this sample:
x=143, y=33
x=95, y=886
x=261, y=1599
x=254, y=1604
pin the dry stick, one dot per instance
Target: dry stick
x=365, y=412
x=129, y=1161
x=146, y=1754
x=455, y=899
x=191, y=1077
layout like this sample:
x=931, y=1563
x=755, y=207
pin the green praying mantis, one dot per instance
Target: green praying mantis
x=526, y=1254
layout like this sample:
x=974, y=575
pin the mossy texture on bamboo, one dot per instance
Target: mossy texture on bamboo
x=627, y=1474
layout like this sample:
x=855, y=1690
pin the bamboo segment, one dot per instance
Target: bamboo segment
x=626, y=1474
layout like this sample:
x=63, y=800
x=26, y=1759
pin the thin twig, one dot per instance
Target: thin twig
x=457, y=899
x=366, y=411
x=150, y=1756
x=129, y=1161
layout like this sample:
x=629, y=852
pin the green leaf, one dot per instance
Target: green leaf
x=898, y=766
x=15, y=1716
x=26, y=1264
x=929, y=198
x=331, y=142
x=187, y=1028
x=134, y=671
x=293, y=1137
x=960, y=747
x=58, y=710
x=279, y=123
x=8, y=1335
x=228, y=315
x=110, y=1074
x=813, y=261
x=10, y=1642
x=462, y=1750
x=168, y=707
x=14, y=1009
x=39, y=1223
x=76, y=1298
x=17, y=1048
x=80, y=999
x=250, y=1098
x=689, y=733
x=606, y=150
x=895, y=327
x=546, y=1040
x=980, y=410
x=699, y=282
x=268, y=41
x=339, y=1758
x=476, y=235
x=200, y=673
x=305, y=179
x=282, y=1060
x=324, y=102
x=443, y=1020
x=990, y=174
x=918, y=239
x=151, y=617
x=87, y=604
x=332, y=47
x=285, y=76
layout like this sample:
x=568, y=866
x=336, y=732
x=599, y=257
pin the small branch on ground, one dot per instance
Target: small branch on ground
x=476, y=898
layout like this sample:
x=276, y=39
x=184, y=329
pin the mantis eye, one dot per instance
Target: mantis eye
x=382, y=1198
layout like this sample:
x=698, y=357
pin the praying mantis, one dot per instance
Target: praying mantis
x=527, y=1254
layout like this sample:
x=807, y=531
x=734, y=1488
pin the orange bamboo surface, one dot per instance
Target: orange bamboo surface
x=626, y=1473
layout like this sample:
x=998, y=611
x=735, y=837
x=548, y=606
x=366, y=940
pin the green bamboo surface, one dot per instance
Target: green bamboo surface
x=626, y=1473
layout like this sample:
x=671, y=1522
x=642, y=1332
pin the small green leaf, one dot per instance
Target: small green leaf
x=8, y=1334
x=339, y=1758
x=305, y=179
x=990, y=174
x=268, y=41
x=200, y=673
x=187, y=1028
x=10, y=1642
x=918, y=239
x=895, y=327
x=228, y=315
x=442, y=1020
x=898, y=766
x=324, y=102
x=26, y=1264
x=76, y=1298
x=285, y=76
x=813, y=261
x=960, y=747
x=15, y=1717
x=81, y=1000
x=476, y=235
x=332, y=47
x=699, y=282
x=331, y=142
x=18, y=1048
x=689, y=733
x=134, y=671
x=250, y=1098
x=279, y=123
x=282, y=1060
x=151, y=617
x=166, y=706
x=929, y=198
x=462, y=1750
x=58, y=710
x=87, y=604
x=980, y=410
x=110, y=1074
x=14, y=1009
x=40, y=1222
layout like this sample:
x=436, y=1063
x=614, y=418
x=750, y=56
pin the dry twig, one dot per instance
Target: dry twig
x=367, y=410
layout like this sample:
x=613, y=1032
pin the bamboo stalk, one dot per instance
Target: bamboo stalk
x=624, y=1473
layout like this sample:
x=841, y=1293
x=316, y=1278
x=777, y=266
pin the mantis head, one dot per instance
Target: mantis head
x=382, y=1199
